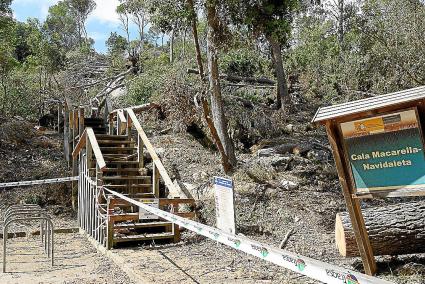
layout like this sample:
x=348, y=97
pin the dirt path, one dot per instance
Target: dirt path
x=76, y=261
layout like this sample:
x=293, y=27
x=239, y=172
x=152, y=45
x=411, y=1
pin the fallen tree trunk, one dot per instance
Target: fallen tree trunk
x=234, y=78
x=393, y=230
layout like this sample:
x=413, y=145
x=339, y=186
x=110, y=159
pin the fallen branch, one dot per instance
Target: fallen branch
x=286, y=238
x=234, y=78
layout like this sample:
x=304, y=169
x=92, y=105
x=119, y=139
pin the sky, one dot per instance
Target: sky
x=101, y=22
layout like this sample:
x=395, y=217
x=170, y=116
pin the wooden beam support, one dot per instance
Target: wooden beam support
x=353, y=205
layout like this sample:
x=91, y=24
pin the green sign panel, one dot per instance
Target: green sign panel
x=386, y=152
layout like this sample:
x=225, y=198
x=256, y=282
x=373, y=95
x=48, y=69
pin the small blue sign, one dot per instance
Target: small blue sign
x=223, y=182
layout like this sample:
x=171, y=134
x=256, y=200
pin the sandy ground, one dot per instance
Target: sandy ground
x=76, y=261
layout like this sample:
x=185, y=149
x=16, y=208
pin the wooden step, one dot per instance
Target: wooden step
x=119, y=170
x=119, y=155
x=114, y=142
x=111, y=137
x=135, y=163
x=133, y=196
x=125, y=178
x=141, y=225
x=128, y=186
x=93, y=119
x=125, y=217
x=144, y=237
x=117, y=149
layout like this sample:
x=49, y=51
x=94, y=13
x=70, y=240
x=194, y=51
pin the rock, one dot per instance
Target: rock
x=411, y=268
x=58, y=211
x=266, y=152
x=200, y=176
x=160, y=151
x=288, y=185
x=309, y=127
x=312, y=155
x=40, y=128
x=289, y=128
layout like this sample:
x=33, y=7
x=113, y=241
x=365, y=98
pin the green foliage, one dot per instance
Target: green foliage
x=116, y=44
x=168, y=15
x=244, y=62
x=271, y=18
x=34, y=199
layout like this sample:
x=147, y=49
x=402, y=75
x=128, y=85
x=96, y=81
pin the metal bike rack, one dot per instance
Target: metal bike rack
x=29, y=212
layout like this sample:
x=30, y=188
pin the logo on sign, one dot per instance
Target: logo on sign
x=236, y=242
x=299, y=263
x=263, y=251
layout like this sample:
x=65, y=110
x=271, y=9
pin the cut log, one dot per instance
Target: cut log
x=393, y=230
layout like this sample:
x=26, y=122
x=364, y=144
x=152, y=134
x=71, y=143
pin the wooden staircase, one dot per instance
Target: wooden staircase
x=127, y=169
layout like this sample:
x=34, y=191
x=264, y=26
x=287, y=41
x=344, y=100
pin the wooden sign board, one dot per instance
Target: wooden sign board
x=146, y=215
x=224, y=204
x=386, y=153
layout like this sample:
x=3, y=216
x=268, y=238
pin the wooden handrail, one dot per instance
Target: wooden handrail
x=88, y=132
x=121, y=116
x=138, y=108
x=174, y=191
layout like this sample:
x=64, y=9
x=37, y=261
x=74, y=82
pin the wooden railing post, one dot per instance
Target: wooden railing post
x=110, y=226
x=99, y=185
x=155, y=181
x=74, y=185
x=66, y=149
x=140, y=156
x=111, y=124
x=59, y=116
x=81, y=121
x=129, y=125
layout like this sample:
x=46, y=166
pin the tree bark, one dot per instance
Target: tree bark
x=341, y=24
x=282, y=85
x=172, y=46
x=393, y=230
x=217, y=108
x=196, y=39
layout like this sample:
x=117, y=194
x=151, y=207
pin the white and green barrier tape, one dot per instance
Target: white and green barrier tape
x=309, y=267
x=37, y=182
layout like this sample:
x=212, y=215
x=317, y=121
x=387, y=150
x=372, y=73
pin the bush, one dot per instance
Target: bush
x=244, y=62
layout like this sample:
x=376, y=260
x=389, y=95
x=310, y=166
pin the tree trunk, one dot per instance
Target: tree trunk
x=172, y=46
x=393, y=230
x=282, y=86
x=196, y=39
x=341, y=24
x=217, y=108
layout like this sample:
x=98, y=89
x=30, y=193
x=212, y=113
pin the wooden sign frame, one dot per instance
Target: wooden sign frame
x=331, y=117
x=399, y=192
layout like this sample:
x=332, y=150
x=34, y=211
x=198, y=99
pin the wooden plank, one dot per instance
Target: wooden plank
x=353, y=205
x=185, y=214
x=121, y=122
x=109, y=227
x=174, y=191
x=67, y=150
x=155, y=181
x=80, y=121
x=176, y=201
x=80, y=145
x=95, y=146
